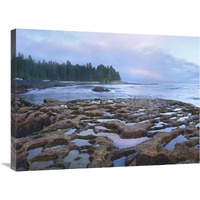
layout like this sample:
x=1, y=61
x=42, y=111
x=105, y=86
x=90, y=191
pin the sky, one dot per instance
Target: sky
x=138, y=58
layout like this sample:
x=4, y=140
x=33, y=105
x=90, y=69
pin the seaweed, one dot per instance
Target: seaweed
x=32, y=134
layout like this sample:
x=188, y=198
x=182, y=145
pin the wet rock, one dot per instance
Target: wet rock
x=136, y=131
x=129, y=132
x=100, y=89
x=115, y=125
x=22, y=125
x=51, y=109
x=18, y=146
x=94, y=113
x=52, y=101
x=98, y=158
x=143, y=159
x=91, y=107
x=130, y=158
x=160, y=159
x=191, y=143
x=18, y=89
x=56, y=142
x=122, y=152
x=133, y=132
x=103, y=141
x=161, y=145
x=17, y=103
x=23, y=109
x=121, y=106
x=63, y=124
x=129, y=118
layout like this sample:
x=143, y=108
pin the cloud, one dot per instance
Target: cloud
x=147, y=74
x=138, y=58
x=159, y=66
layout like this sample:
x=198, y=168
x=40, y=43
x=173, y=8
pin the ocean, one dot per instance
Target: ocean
x=189, y=93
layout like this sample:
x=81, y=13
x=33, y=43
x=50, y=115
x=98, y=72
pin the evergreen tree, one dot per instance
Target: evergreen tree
x=28, y=68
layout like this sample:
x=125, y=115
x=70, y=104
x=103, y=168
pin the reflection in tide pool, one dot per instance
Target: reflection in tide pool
x=119, y=162
x=198, y=125
x=70, y=132
x=182, y=119
x=76, y=160
x=117, y=141
x=172, y=143
x=42, y=164
x=168, y=129
x=54, y=147
x=108, y=120
x=34, y=152
x=159, y=125
x=81, y=142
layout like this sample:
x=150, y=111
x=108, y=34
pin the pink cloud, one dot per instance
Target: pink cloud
x=146, y=73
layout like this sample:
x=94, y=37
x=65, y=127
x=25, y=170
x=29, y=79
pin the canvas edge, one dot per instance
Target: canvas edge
x=12, y=75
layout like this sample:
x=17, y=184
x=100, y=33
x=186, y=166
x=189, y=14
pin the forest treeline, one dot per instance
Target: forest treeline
x=28, y=68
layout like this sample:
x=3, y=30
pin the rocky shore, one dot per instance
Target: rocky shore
x=103, y=133
x=23, y=86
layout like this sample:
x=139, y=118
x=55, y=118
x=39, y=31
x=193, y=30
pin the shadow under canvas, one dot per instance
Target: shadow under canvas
x=6, y=164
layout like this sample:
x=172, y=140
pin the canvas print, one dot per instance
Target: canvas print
x=91, y=100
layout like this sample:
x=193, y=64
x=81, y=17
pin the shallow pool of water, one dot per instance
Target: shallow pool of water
x=87, y=132
x=198, y=125
x=54, y=147
x=117, y=141
x=42, y=164
x=81, y=142
x=96, y=102
x=76, y=159
x=123, y=143
x=177, y=109
x=159, y=125
x=141, y=110
x=70, y=132
x=138, y=113
x=124, y=122
x=107, y=120
x=168, y=129
x=129, y=124
x=63, y=106
x=172, y=143
x=173, y=118
x=107, y=114
x=119, y=162
x=191, y=138
x=34, y=152
x=100, y=128
x=182, y=126
x=167, y=113
x=144, y=121
x=91, y=124
x=184, y=118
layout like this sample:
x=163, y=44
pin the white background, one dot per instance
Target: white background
x=147, y=17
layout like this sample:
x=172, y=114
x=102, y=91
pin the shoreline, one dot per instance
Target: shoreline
x=23, y=86
x=103, y=133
